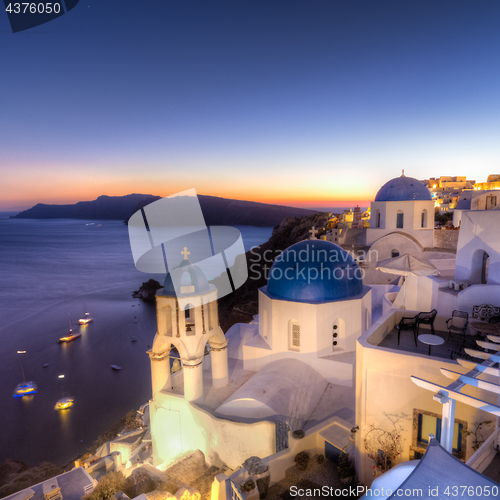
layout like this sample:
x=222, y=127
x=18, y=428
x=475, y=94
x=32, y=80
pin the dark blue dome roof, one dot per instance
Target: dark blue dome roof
x=185, y=275
x=314, y=271
x=403, y=189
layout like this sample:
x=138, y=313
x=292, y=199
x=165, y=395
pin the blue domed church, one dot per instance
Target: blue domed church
x=293, y=366
x=403, y=205
x=313, y=309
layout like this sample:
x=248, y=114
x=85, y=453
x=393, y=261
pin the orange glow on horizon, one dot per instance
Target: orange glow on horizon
x=301, y=202
x=17, y=193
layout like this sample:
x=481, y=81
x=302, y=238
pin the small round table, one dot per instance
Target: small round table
x=430, y=340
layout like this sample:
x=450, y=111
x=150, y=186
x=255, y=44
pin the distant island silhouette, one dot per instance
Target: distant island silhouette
x=217, y=211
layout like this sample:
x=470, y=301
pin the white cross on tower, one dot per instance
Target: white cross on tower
x=313, y=232
x=185, y=252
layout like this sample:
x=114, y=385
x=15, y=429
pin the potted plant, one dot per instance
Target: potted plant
x=345, y=467
x=302, y=459
x=247, y=486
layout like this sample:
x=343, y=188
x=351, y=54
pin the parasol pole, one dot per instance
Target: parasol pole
x=404, y=296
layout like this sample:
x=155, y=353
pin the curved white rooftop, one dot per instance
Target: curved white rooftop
x=285, y=387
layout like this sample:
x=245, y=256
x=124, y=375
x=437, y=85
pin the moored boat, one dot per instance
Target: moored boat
x=25, y=389
x=64, y=403
x=116, y=367
x=86, y=319
x=69, y=338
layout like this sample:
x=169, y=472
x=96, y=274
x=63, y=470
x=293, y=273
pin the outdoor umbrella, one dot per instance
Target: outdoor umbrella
x=406, y=265
x=435, y=477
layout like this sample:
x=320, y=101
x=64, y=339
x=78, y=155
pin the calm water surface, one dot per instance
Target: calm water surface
x=49, y=269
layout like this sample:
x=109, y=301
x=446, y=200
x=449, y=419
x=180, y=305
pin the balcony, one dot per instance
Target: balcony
x=386, y=337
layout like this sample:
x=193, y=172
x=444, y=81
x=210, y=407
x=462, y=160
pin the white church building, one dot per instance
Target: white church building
x=312, y=360
x=403, y=206
x=289, y=367
x=401, y=222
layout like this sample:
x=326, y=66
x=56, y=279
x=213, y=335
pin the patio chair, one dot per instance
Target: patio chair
x=427, y=318
x=457, y=327
x=408, y=324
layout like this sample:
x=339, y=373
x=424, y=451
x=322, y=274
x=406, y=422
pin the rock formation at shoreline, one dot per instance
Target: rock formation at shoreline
x=147, y=291
x=16, y=476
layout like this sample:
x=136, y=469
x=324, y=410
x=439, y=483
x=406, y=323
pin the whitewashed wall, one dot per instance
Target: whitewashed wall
x=177, y=427
x=479, y=232
x=352, y=316
x=412, y=220
x=383, y=385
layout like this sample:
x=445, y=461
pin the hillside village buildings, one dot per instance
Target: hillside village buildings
x=445, y=191
x=493, y=182
x=324, y=363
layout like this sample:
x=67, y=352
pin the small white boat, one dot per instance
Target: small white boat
x=71, y=336
x=116, y=367
x=24, y=389
x=64, y=403
x=86, y=319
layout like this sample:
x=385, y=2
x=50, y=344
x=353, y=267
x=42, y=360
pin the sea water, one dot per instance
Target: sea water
x=52, y=270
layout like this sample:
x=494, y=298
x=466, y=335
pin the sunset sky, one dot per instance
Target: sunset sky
x=312, y=103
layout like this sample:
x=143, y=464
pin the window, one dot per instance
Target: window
x=189, y=319
x=394, y=253
x=400, y=219
x=377, y=216
x=423, y=221
x=294, y=336
x=430, y=423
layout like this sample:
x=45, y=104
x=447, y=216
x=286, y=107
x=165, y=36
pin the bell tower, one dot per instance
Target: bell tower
x=187, y=318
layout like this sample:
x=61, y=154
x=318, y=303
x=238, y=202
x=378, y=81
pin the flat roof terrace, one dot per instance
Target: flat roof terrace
x=407, y=343
x=386, y=337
